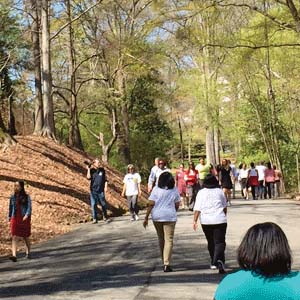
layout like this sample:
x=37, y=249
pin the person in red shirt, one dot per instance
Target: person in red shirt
x=191, y=178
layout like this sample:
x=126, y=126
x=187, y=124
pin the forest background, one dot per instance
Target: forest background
x=130, y=80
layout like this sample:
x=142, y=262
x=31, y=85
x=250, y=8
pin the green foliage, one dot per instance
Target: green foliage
x=150, y=135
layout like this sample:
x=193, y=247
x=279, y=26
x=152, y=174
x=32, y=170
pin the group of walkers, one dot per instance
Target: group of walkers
x=264, y=181
x=264, y=255
x=190, y=181
x=202, y=187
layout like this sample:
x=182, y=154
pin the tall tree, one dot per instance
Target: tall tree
x=74, y=132
x=48, y=126
x=35, y=10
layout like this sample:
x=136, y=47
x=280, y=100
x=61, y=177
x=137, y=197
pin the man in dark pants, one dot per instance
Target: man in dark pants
x=96, y=174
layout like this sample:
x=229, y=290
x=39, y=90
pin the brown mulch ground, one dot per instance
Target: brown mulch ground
x=55, y=177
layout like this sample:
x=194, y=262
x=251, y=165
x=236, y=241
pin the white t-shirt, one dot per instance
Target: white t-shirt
x=131, y=181
x=243, y=173
x=261, y=172
x=211, y=204
x=164, y=208
x=152, y=178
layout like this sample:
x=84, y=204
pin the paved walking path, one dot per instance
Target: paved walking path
x=120, y=260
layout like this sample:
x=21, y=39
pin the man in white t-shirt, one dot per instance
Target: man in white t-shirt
x=262, y=192
x=132, y=189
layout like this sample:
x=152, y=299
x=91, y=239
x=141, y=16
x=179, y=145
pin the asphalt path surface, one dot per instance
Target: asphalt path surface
x=120, y=260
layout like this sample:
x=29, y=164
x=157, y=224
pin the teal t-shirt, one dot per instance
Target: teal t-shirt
x=247, y=285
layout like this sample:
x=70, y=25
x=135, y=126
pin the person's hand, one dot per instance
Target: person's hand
x=195, y=226
x=123, y=195
x=25, y=218
x=140, y=194
x=145, y=223
x=149, y=189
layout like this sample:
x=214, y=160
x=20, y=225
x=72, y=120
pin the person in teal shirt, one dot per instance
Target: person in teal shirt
x=265, y=259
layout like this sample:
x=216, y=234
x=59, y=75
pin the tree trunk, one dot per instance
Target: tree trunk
x=106, y=148
x=217, y=145
x=35, y=37
x=6, y=139
x=125, y=146
x=181, y=141
x=210, y=147
x=74, y=131
x=123, y=136
x=272, y=99
x=48, y=127
x=11, y=117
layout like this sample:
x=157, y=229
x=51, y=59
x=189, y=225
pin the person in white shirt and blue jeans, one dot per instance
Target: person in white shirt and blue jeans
x=132, y=189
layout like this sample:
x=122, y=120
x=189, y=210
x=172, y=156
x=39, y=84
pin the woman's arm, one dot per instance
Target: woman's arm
x=149, y=209
x=10, y=208
x=28, y=211
x=139, y=189
x=196, y=216
x=123, y=190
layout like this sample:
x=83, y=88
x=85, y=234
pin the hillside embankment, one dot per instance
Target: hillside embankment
x=55, y=177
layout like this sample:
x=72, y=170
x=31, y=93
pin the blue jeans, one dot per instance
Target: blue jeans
x=95, y=199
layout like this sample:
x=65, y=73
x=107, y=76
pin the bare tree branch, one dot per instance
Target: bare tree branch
x=6, y=62
x=62, y=96
x=87, y=80
x=260, y=11
x=294, y=13
x=89, y=130
x=255, y=47
x=75, y=19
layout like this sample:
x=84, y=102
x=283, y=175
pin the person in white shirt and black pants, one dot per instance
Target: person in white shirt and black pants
x=132, y=189
x=211, y=206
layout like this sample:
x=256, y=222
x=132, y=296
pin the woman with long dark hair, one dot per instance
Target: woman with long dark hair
x=265, y=259
x=225, y=178
x=163, y=205
x=20, y=218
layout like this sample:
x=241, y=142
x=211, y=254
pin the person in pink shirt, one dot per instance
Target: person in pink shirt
x=180, y=184
x=269, y=180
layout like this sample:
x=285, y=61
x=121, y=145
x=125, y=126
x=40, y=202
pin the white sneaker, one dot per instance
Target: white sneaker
x=136, y=217
x=132, y=219
x=213, y=267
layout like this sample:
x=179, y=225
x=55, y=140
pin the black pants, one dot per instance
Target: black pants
x=254, y=189
x=215, y=235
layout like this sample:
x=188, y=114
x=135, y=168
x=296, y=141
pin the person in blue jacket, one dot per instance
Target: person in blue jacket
x=265, y=259
x=19, y=216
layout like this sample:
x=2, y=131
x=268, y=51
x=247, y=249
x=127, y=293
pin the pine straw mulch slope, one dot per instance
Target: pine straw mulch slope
x=55, y=177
